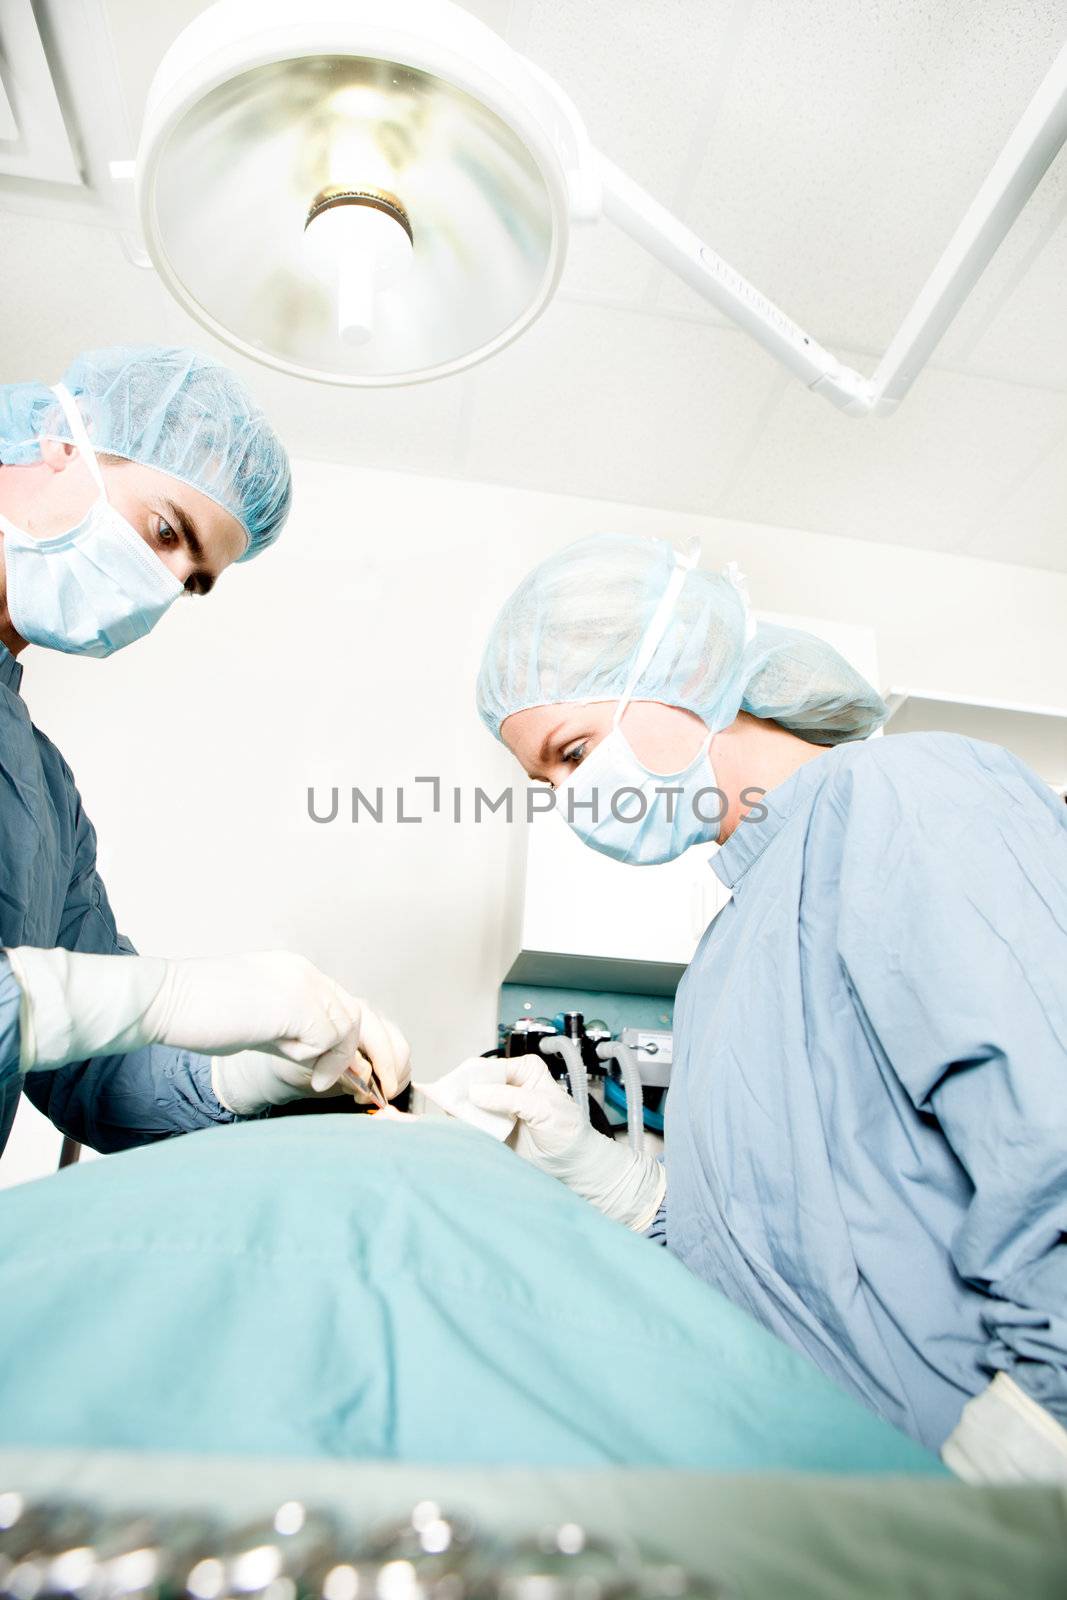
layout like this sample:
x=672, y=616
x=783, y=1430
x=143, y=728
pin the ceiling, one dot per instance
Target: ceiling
x=827, y=149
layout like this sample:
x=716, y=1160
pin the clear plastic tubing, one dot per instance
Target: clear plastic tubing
x=614, y=1050
x=572, y=1059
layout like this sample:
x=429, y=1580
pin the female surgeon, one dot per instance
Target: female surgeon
x=141, y=477
x=866, y=1133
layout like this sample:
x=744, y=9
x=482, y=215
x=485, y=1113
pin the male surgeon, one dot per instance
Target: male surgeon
x=142, y=476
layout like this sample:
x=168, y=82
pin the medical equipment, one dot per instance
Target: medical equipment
x=639, y=1072
x=396, y=186
x=653, y=1049
x=629, y=1075
x=366, y=1085
x=772, y=1536
x=526, y=1035
x=61, y=1550
x=64, y=1550
x=533, y=1036
x=567, y=1052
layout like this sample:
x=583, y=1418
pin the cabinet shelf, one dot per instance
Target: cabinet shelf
x=559, y=968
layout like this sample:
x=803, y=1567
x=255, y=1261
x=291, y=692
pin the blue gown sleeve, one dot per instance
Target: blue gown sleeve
x=117, y=1102
x=657, y=1229
x=10, y=1073
x=953, y=935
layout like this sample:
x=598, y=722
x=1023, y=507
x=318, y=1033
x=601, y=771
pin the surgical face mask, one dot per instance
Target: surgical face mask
x=616, y=804
x=94, y=589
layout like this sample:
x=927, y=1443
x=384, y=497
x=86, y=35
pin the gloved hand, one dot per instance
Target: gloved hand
x=75, y=1006
x=251, y=1080
x=551, y=1135
x=1005, y=1436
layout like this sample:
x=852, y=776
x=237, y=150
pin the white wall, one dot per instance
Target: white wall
x=348, y=656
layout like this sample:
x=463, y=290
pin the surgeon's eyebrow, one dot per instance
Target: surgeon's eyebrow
x=546, y=745
x=203, y=581
x=181, y=521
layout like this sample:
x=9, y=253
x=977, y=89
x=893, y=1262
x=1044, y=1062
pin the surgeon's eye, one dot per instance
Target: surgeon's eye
x=166, y=534
x=575, y=753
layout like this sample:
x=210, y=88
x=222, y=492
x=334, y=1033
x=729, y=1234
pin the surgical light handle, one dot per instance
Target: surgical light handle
x=1035, y=141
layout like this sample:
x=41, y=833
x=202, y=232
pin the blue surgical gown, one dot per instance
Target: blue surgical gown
x=866, y=1132
x=51, y=895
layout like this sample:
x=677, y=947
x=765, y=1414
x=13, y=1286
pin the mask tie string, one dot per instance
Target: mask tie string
x=79, y=435
x=684, y=563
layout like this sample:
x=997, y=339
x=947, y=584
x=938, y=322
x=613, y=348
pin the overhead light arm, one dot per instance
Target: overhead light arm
x=660, y=233
x=1029, y=152
x=1039, y=135
x=463, y=167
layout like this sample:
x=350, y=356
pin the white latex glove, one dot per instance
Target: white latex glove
x=75, y=1006
x=451, y=1094
x=551, y=1135
x=1003, y=1436
x=252, y=1080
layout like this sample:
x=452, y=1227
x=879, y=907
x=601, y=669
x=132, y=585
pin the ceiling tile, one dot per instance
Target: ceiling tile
x=1026, y=341
x=418, y=428
x=1007, y=272
x=495, y=13
x=848, y=148
x=141, y=36
x=66, y=287
x=921, y=477
x=603, y=263
x=1029, y=525
x=637, y=71
x=618, y=405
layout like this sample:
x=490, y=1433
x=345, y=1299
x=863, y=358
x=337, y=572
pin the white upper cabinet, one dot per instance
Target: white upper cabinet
x=579, y=903
x=580, y=920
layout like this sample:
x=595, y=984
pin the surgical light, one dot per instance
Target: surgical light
x=375, y=192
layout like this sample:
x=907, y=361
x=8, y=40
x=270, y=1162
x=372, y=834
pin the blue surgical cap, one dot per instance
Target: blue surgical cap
x=573, y=628
x=167, y=408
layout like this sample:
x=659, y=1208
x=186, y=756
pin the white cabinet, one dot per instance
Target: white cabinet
x=580, y=920
x=589, y=922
